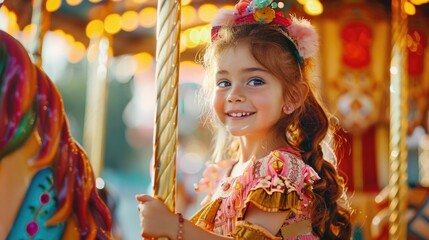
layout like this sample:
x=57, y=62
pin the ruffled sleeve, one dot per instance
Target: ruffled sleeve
x=276, y=183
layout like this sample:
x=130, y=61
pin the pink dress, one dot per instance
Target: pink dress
x=276, y=182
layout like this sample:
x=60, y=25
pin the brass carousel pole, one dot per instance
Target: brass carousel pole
x=398, y=123
x=40, y=21
x=167, y=74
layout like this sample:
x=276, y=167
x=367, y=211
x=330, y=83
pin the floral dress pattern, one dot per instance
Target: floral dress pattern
x=276, y=182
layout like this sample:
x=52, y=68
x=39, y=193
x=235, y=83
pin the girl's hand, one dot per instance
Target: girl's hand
x=156, y=220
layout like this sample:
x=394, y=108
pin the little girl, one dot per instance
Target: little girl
x=276, y=183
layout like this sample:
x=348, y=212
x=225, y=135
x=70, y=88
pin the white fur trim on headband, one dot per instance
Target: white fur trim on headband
x=305, y=37
x=225, y=17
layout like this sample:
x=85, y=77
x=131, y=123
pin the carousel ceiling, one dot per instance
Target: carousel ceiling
x=73, y=16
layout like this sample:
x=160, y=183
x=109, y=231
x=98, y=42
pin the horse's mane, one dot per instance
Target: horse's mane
x=30, y=101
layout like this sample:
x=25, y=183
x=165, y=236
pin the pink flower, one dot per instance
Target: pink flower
x=242, y=6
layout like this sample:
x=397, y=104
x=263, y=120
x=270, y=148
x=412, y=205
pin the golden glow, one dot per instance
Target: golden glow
x=112, y=23
x=139, y=1
x=29, y=32
x=12, y=17
x=95, y=1
x=59, y=32
x=205, y=32
x=92, y=52
x=419, y=2
x=73, y=2
x=94, y=29
x=195, y=36
x=4, y=9
x=130, y=21
x=13, y=25
x=186, y=2
x=229, y=6
x=302, y=2
x=53, y=5
x=147, y=17
x=8, y=21
x=77, y=52
x=144, y=60
x=110, y=51
x=189, y=15
x=4, y=18
x=183, y=42
x=69, y=38
x=188, y=35
x=313, y=7
x=409, y=8
x=207, y=12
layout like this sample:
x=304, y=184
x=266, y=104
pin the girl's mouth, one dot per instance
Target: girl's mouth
x=240, y=114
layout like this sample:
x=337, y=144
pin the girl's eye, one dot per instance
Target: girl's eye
x=223, y=83
x=256, y=82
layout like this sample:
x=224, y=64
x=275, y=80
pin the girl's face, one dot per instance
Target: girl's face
x=248, y=99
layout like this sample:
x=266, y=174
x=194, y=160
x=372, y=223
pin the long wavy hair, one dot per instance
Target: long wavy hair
x=305, y=129
x=30, y=102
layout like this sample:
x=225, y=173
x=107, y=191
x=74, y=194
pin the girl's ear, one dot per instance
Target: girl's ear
x=288, y=109
x=297, y=97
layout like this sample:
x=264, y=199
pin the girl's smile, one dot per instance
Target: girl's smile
x=239, y=114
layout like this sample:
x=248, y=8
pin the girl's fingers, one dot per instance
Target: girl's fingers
x=143, y=198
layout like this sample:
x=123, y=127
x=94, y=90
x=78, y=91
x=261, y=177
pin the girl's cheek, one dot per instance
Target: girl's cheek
x=218, y=105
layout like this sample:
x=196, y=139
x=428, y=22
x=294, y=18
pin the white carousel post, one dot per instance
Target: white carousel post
x=40, y=20
x=94, y=130
x=167, y=74
x=398, y=123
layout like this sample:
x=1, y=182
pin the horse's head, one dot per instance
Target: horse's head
x=30, y=103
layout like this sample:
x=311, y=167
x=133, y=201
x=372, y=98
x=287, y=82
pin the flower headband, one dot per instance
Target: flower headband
x=299, y=31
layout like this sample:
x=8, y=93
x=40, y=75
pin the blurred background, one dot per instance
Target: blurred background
x=353, y=81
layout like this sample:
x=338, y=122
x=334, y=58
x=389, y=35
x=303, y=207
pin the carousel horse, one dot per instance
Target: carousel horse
x=47, y=186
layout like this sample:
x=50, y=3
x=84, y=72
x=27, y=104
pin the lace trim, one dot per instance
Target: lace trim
x=246, y=230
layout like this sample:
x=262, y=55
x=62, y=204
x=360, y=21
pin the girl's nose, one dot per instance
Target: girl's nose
x=235, y=96
x=236, y=93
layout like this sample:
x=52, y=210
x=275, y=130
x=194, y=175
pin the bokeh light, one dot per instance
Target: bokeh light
x=94, y=29
x=53, y=5
x=207, y=12
x=144, y=61
x=147, y=17
x=188, y=15
x=130, y=21
x=313, y=7
x=186, y=2
x=76, y=52
x=112, y=23
x=409, y=8
x=73, y=2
